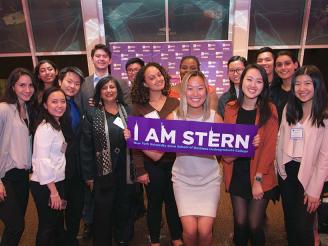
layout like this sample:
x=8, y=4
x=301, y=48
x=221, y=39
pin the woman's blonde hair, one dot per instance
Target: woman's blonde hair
x=183, y=108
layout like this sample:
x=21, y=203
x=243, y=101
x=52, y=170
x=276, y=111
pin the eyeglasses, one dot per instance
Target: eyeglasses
x=238, y=71
x=133, y=70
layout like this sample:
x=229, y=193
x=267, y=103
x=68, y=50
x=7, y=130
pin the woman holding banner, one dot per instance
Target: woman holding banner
x=251, y=182
x=150, y=99
x=196, y=178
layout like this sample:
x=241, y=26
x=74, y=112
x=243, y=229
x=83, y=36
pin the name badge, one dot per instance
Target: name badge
x=118, y=121
x=152, y=115
x=296, y=133
x=63, y=147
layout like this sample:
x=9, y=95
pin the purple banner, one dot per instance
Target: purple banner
x=191, y=137
x=213, y=56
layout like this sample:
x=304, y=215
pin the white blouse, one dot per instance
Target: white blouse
x=48, y=159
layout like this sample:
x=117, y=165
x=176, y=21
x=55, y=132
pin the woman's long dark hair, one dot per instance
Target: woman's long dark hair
x=232, y=89
x=39, y=83
x=319, y=110
x=101, y=83
x=44, y=114
x=263, y=100
x=10, y=96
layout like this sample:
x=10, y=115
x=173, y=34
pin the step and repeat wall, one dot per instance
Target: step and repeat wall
x=213, y=57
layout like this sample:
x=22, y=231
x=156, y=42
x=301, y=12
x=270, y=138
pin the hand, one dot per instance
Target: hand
x=89, y=184
x=127, y=133
x=3, y=193
x=312, y=203
x=55, y=201
x=257, y=190
x=91, y=102
x=256, y=141
x=143, y=179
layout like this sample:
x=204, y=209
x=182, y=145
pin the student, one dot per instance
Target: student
x=265, y=57
x=132, y=67
x=196, y=178
x=101, y=59
x=187, y=64
x=48, y=160
x=45, y=76
x=150, y=99
x=251, y=182
x=302, y=153
x=105, y=163
x=16, y=108
x=70, y=80
x=285, y=67
x=236, y=66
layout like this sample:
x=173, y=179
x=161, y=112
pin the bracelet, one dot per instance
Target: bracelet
x=55, y=195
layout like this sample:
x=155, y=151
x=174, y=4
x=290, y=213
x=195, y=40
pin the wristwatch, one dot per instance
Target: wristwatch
x=258, y=179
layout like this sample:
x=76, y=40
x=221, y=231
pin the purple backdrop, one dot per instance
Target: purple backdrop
x=213, y=56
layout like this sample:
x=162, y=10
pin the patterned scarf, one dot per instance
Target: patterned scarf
x=102, y=143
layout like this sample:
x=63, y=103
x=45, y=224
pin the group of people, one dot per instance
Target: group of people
x=64, y=137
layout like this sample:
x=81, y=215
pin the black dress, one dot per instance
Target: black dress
x=240, y=182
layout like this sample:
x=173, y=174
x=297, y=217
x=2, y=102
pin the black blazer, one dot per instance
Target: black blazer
x=72, y=138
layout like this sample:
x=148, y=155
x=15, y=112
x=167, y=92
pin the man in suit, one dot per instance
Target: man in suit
x=101, y=58
x=70, y=80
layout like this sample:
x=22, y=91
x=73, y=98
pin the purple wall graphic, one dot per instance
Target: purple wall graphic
x=213, y=56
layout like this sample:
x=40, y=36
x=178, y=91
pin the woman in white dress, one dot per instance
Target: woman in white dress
x=196, y=178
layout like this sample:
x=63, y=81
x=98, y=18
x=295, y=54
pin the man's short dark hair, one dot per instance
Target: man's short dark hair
x=62, y=73
x=134, y=60
x=101, y=47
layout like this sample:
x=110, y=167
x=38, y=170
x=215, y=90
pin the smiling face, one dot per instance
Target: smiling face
x=108, y=93
x=23, y=88
x=196, y=92
x=253, y=84
x=285, y=67
x=154, y=79
x=70, y=84
x=56, y=104
x=188, y=65
x=132, y=71
x=235, y=69
x=266, y=60
x=47, y=73
x=101, y=60
x=304, y=88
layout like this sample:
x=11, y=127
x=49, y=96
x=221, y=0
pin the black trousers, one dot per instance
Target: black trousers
x=159, y=190
x=298, y=222
x=114, y=209
x=13, y=208
x=74, y=194
x=49, y=219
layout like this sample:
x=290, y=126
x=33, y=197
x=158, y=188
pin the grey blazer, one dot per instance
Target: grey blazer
x=87, y=91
